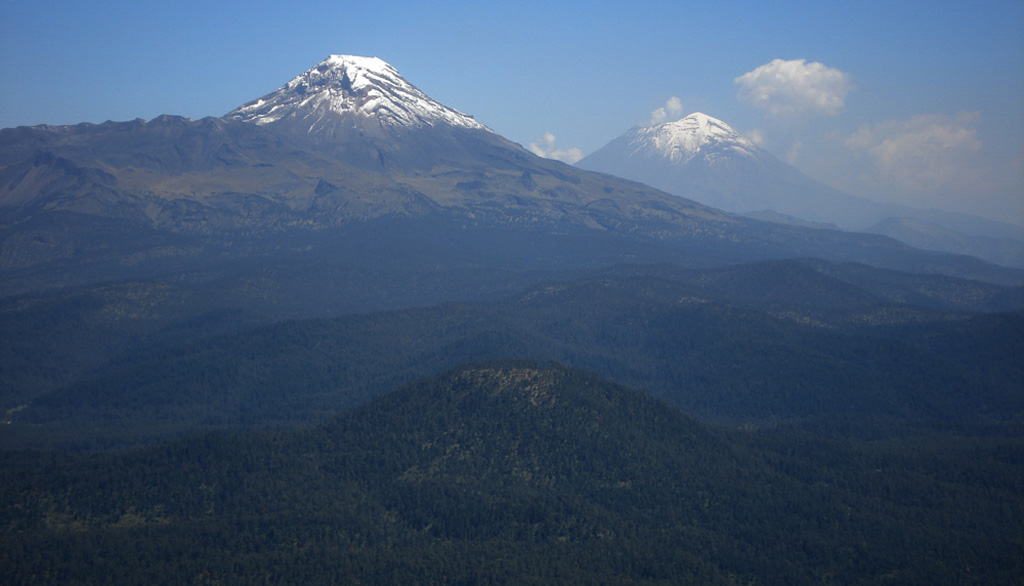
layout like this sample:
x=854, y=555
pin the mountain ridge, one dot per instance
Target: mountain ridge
x=791, y=341
x=212, y=190
x=920, y=233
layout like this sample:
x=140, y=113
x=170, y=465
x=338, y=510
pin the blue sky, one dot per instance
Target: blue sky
x=916, y=102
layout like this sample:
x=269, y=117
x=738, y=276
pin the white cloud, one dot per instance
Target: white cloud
x=925, y=152
x=545, y=147
x=786, y=88
x=671, y=111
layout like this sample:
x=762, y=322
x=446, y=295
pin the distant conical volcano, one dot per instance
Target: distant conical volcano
x=697, y=135
x=346, y=93
x=703, y=158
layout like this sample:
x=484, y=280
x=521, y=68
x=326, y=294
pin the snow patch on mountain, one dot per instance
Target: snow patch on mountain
x=351, y=91
x=688, y=137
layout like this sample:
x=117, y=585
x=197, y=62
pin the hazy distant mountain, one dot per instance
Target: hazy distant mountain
x=921, y=234
x=702, y=158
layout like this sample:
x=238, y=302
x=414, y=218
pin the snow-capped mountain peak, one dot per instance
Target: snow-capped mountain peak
x=688, y=137
x=347, y=92
x=699, y=157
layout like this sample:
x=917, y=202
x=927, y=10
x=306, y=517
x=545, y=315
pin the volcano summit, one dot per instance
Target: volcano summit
x=345, y=93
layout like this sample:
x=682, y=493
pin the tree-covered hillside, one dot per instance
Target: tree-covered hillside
x=762, y=344
x=516, y=473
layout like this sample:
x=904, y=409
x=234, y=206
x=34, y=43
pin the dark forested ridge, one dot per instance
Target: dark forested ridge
x=514, y=473
x=760, y=344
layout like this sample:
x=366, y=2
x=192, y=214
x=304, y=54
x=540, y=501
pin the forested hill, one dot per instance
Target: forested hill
x=514, y=473
x=761, y=344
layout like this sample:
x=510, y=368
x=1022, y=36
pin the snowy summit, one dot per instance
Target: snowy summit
x=702, y=158
x=684, y=139
x=346, y=93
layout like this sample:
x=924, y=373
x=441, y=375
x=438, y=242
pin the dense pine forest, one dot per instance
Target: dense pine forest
x=513, y=473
